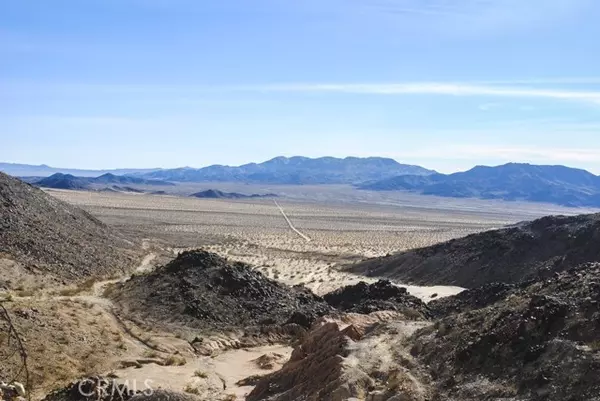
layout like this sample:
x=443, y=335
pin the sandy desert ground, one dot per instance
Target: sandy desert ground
x=305, y=236
x=297, y=239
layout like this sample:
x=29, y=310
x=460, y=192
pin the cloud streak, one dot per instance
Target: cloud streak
x=436, y=88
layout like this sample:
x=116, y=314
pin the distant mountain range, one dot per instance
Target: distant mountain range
x=216, y=194
x=68, y=181
x=295, y=170
x=514, y=181
x=29, y=170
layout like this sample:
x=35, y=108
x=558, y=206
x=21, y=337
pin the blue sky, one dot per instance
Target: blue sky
x=447, y=84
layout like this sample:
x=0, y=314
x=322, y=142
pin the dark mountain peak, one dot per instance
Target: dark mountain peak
x=108, y=176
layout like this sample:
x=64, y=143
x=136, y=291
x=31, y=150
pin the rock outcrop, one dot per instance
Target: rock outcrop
x=204, y=291
x=380, y=296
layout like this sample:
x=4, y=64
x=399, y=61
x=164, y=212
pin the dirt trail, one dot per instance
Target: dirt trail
x=213, y=378
x=305, y=237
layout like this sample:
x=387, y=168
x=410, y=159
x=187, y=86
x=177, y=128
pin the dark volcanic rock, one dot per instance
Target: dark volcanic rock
x=539, y=341
x=382, y=295
x=202, y=290
x=467, y=300
x=523, y=252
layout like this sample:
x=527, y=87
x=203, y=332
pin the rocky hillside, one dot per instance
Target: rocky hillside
x=535, y=341
x=538, y=341
x=510, y=255
x=53, y=239
x=204, y=291
x=513, y=181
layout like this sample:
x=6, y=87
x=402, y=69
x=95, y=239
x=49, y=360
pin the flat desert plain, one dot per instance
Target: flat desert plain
x=306, y=235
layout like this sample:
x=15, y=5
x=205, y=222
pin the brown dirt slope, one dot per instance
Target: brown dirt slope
x=49, y=237
x=510, y=255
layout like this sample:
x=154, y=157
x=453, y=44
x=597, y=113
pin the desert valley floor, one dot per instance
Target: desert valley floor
x=327, y=234
x=304, y=236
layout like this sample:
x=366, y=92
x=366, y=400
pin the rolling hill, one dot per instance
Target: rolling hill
x=514, y=181
x=64, y=181
x=526, y=251
x=295, y=170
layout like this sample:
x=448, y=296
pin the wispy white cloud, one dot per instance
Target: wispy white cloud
x=477, y=15
x=436, y=88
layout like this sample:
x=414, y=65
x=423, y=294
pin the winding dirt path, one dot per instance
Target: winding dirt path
x=305, y=237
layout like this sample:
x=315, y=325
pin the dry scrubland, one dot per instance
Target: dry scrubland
x=84, y=332
x=365, y=225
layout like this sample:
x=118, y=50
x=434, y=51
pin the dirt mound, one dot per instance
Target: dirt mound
x=201, y=290
x=539, y=341
x=379, y=296
x=510, y=255
x=52, y=238
x=269, y=361
x=344, y=358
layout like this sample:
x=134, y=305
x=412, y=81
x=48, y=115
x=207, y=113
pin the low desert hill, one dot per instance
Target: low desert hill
x=509, y=255
x=108, y=180
x=514, y=181
x=64, y=181
x=50, y=238
x=295, y=170
x=216, y=194
x=201, y=290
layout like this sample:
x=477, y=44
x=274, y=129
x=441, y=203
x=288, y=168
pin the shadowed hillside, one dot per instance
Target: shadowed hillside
x=509, y=255
x=51, y=238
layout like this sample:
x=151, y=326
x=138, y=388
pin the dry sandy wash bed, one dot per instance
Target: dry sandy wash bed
x=315, y=239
